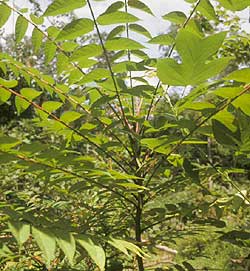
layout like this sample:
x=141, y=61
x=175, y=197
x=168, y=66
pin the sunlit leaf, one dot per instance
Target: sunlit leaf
x=46, y=242
x=58, y=7
x=140, y=6
x=20, y=230
x=95, y=251
x=123, y=44
x=5, y=13
x=176, y=17
x=116, y=17
x=20, y=28
x=76, y=29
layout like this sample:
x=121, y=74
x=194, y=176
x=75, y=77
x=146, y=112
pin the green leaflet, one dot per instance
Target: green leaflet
x=224, y=135
x=36, y=38
x=235, y=5
x=194, y=50
x=118, y=245
x=20, y=28
x=243, y=121
x=194, y=27
x=4, y=95
x=95, y=75
x=30, y=94
x=125, y=66
x=67, y=244
x=46, y=242
x=63, y=66
x=207, y=9
x=95, y=251
x=69, y=46
x=176, y=17
x=8, y=83
x=53, y=31
x=140, y=29
x=116, y=31
x=227, y=119
x=140, y=5
x=86, y=51
x=164, y=39
x=243, y=103
x=75, y=29
x=132, y=186
x=86, y=63
x=163, y=144
x=6, y=142
x=51, y=106
x=125, y=246
x=195, y=53
x=36, y=20
x=5, y=13
x=116, y=17
x=122, y=44
x=63, y=6
x=199, y=106
x=228, y=92
x=21, y=231
x=49, y=51
x=115, y=7
x=242, y=75
x=70, y=116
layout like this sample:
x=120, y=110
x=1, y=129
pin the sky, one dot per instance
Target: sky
x=155, y=24
x=159, y=8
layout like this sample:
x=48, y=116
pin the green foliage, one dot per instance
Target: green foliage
x=111, y=166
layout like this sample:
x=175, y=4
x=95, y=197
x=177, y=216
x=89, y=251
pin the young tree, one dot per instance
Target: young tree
x=117, y=165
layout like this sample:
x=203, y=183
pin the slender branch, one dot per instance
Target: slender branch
x=151, y=106
x=225, y=175
x=67, y=126
x=129, y=59
x=31, y=160
x=58, y=47
x=176, y=147
x=71, y=99
x=159, y=222
x=125, y=121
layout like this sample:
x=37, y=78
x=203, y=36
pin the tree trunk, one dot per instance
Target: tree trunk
x=138, y=231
